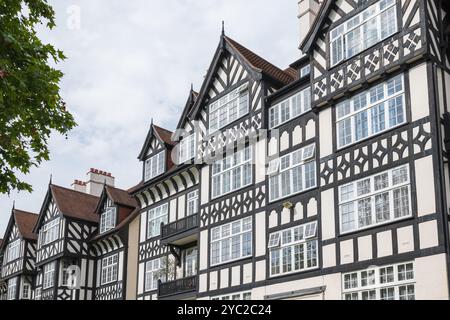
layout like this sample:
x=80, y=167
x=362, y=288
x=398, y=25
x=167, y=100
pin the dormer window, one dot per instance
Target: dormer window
x=154, y=166
x=13, y=252
x=108, y=220
x=371, y=26
x=186, y=149
x=305, y=71
x=228, y=108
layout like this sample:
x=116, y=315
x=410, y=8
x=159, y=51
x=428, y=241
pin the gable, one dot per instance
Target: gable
x=14, y=234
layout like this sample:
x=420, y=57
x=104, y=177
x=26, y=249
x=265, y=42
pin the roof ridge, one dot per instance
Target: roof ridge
x=74, y=191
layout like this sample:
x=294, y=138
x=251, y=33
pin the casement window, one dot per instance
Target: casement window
x=187, y=149
x=155, y=166
x=156, y=216
x=231, y=241
x=228, y=108
x=13, y=252
x=364, y=30
x=49, y=275
x=234, y=296
x=190, y=262
x=292, y=173
x=154, y=271
x=38, y=294
x=192, y=203
x=12, y=289
x=293, y=250
x=64, y=271
x=50, y=231
x=108, y=220
x=305, y=71
x=232, y=173
x=290, y=108
x=392, y=282
x=376, y=200
x=110, y=267
x=371, y=112
x=26, y=291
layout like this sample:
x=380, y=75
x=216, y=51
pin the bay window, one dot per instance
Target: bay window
x=228, y=108
x=378, y=199
x=293, y=250
x=292, y=173
x=232, y=173
x=110, y=266
x=13, y=252
x=231, y=241
x=156, y=216
x=371, y=112
x=49, y=275
x=369, y=27
x=108, y=219
x=290, y=108
x=391, y=282
x=155, y=166
x=186, y=149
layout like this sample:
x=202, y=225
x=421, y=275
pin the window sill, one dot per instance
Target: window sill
x=387, y=223
x=230, y=261
x=292, y=272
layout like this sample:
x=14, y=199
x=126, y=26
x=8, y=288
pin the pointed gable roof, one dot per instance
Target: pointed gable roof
x=260, y=64
x=25, y=223
x=253, y=62
x=193, y=95
x=163, y=135
x=118, y=196
x=75, y=204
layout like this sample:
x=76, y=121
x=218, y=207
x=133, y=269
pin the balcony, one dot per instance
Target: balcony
x=182, y=288
x=180, y=232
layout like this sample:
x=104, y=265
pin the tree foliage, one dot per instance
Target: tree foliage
x=30, y=103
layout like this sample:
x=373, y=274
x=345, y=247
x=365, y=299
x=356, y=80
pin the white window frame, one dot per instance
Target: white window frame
x=356, y=287
x=153, y=267
x=370, y=106
x=13, y=252
x=340, y=34
x=302, y=235
x=223, y=106
x=192, y=203
x=49, y=275
x=12, y=288
x=26, y=291
x=305, y=71
x=225, y=233
x=50, y=231
x=243, y=165
x=245, y=295
x=372, y=196
x=155, y=165
x=299, y=158
x=108, y=219
x=187, y=148
x=162, y=216
x=38, y=294
x=110, y=269
x=293, y=107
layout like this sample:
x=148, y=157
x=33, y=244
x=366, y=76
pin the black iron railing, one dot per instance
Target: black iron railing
x=179, y=226
x=178, y=286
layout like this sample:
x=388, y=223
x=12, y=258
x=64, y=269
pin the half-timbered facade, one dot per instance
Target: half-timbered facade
x=66, y=222
x=19, y=254
x=109, y=245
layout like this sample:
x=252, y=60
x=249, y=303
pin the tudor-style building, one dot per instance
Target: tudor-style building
x=19, y=254
x=353, y=201
x=3, y=285
x=110, y=243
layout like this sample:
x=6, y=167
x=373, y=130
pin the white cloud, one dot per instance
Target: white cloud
x=134, y=60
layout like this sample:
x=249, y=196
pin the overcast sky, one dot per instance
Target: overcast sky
x=133, y=60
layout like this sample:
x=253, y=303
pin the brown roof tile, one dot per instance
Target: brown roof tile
x=75, y=204
x=121, y=197
x=25, y=223
x=292, y=72
x=164, y=134
x=256, y=61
